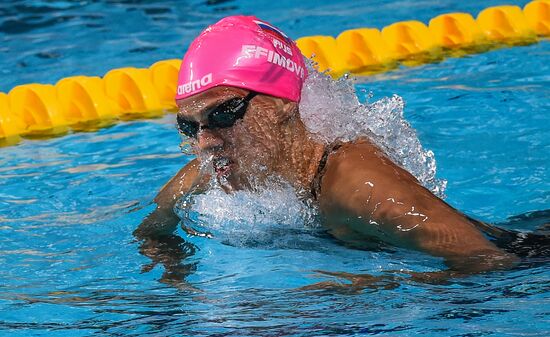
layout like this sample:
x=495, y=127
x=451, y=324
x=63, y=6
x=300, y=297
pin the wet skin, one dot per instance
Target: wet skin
x=363, y=196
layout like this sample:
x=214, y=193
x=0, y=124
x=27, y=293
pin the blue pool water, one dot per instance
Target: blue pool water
x=69, y=265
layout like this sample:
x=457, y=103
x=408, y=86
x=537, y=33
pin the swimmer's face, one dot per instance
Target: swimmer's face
x=249, y=150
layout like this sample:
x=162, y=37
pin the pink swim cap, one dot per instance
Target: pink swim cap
x=243, y=52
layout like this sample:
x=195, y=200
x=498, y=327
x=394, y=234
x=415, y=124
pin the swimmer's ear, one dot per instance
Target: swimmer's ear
x=289, y=110
x=275, y=110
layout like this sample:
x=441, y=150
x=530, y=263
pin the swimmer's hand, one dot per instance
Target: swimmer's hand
x=349, y=283
x=163, y=220
x=525, y=245
x=171, y=251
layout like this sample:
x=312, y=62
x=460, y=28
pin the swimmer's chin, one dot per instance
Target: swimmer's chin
x=226, y=186
x=223, y=178
x=230, y=184
x=228, y=178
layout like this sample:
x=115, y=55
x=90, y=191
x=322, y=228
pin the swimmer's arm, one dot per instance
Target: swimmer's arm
x=363, y=192
x=163, y=220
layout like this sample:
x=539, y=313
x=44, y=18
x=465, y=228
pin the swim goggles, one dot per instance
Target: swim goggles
x=223, y=116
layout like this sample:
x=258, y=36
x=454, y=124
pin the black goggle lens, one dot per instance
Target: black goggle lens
x=188, y=128
x=227, y=113
x=224, y=115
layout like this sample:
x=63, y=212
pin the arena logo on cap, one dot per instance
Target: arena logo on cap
x=194, y=85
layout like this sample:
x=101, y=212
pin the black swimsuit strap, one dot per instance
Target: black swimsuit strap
x=316, y=183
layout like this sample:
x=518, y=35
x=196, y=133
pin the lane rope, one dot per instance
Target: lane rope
x=85, y=103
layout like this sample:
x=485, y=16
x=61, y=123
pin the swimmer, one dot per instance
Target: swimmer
x=238, y=92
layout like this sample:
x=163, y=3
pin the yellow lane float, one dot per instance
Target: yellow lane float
x=506, y=24
x=83, y=99
x=456, y=30
x=132, y=90
x=10, y=125
x=36, y=105
x=324, y=51
x=537, y=14
x=411, y=42
x=364, y=51
x=165, y=75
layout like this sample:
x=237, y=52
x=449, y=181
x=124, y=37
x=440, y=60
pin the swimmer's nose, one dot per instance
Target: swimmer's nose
x=208, y=140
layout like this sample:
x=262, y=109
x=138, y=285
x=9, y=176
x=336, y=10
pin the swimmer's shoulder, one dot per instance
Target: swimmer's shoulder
x=357, y=155
x=356, y=165
x=343, y=164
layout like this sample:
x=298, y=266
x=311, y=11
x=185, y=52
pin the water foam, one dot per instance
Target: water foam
x=273, y=216
x=331, y=110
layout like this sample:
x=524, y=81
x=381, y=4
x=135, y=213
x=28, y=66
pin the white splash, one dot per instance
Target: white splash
x=273, y=216
x=331, y=110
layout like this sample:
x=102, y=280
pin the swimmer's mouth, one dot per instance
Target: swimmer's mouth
x=222, y=166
